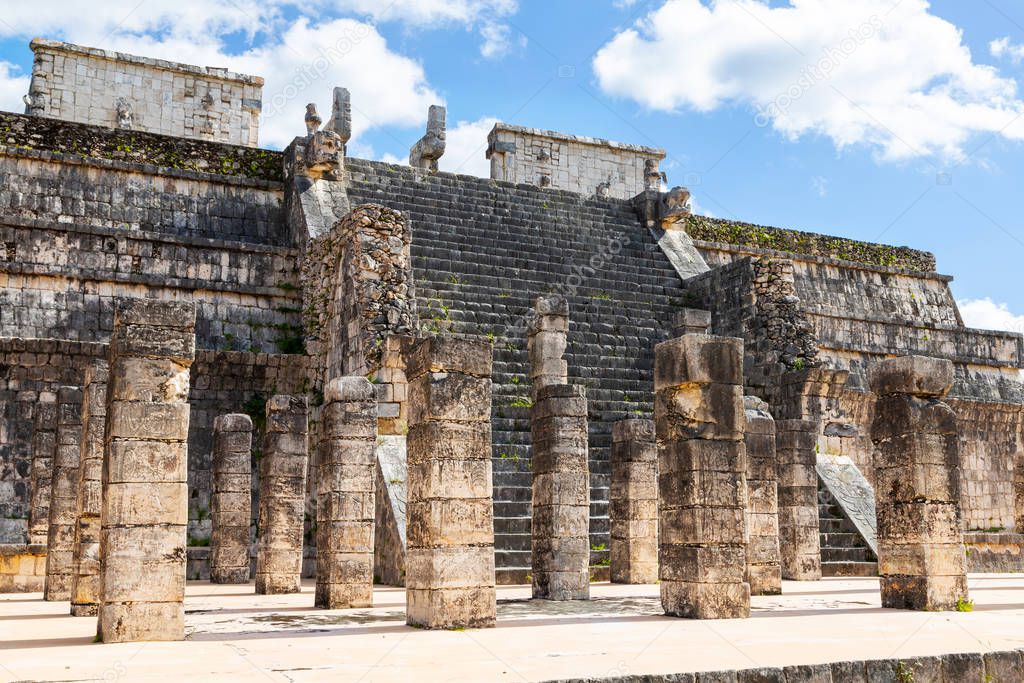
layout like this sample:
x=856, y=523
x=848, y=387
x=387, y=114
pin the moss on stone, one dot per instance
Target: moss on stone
x=811, y=244
x=183, y=154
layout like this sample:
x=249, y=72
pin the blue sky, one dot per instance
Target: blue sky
x=886, y=120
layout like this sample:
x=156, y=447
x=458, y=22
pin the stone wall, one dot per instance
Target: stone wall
x=22, y=568
x=60, y=281
x=589, y=166
x=66, y=188
x=118, y=90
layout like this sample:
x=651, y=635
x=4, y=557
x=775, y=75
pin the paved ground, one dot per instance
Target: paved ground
x=235, y=635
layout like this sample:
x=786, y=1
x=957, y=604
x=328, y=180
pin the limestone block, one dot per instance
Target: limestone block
x=449, y=508
x=230, y=504
x=63, y=509
x=700, y=423
x=915, y=375
x=145, y=492
x=921, y=558
x=561, y=494
x=346, y=468
x=764, y=572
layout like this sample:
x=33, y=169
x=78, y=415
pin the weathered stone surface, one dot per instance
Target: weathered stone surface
x=915, y=375
x=22, y=568
x=230, y=506
x=344, y=543
x=164, y=106
x=145, y=491
x=450, y=510
x=282, y=496
x=921, y=559
x=65, y=477
x=546, y=341
x=764, y=570
x=589, y=166
x=425, y=154
x=692, y=321
x=44, y=447
x=561, y=493
x=702, y=549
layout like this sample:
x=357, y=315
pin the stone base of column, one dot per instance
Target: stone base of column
x=705, y=600
x=142, y=621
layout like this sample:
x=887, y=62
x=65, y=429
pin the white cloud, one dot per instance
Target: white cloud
x=891, y=76
x=1004, y=48
x=985, y=314
x=498, y=40
x=13, y=87
x=430, y=12
x=466, y=148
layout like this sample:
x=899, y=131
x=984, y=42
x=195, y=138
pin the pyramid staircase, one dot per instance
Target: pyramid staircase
x=482, y=253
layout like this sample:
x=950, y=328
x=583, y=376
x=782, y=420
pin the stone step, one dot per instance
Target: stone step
x=841, y=539
x=849, y=569
x=844, y=555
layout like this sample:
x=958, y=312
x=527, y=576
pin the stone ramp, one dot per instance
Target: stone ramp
x=482, y=253
x=846, y=514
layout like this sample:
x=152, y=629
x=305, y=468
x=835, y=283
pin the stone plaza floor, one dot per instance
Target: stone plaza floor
x=236, y=635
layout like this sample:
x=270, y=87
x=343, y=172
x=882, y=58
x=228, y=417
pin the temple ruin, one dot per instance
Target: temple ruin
x=261, y=366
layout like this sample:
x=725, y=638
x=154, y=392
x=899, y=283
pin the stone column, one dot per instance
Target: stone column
x=345, y=496
x=85, y=581
x=797, y=407
x=634, y=502
x=44, y=445
x=282, y=496
x=764, y=573
x=60, y=544
x=699, y=422
x=145, y=490
x=921, y=560
x=231, y=502
x=450, y=557
x=561, y=494
x=546, y=342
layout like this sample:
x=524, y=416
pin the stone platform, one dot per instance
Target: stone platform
x=236, y=635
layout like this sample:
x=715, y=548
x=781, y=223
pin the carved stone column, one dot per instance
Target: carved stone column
x=450, y=556
x=145, y=490
x=561, y=494
x=282, y=496
x=921, y=560
x=44, y=445
x=764, y=572
x=345, y=496
x=634, y=502
x=231, y=503
x=699, y=421
x=60, y=545
x=85, y=581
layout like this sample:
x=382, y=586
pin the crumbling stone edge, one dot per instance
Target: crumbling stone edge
x=955, y=667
